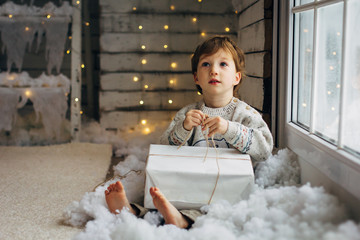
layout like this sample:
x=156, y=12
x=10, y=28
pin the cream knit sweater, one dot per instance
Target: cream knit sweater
x=247, y=131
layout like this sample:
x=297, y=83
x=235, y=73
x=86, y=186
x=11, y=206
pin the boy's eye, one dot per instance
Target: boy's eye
x=205, y=64
x=223, y=64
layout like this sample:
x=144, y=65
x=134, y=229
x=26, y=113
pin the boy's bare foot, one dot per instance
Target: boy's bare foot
x=116, y=198
x=169, y=212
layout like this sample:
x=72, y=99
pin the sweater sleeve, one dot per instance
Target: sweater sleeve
x=249, y=133
x=176, y=134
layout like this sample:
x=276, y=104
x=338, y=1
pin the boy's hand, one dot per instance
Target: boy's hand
x=215, y=125
x=193, y=118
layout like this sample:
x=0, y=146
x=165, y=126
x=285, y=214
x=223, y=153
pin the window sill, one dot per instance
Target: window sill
x=339, y=166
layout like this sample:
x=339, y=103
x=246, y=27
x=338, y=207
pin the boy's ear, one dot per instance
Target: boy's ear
x=195, y=77
x=237, y=78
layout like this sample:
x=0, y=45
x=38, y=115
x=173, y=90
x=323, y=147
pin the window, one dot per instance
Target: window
x=326, y=71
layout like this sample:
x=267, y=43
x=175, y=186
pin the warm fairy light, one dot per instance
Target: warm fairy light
x=304, y=104
x=141, y=102
x=333, y=108
x=143, y=46
x=166, y=27
x=143, y=122
x=203, y=34
x=329, y=92
x=134, y=8
x=171, y=81
x=236, y=11
x=334, y=53
x=48, y=16
x=82, y=65
x=165, y=46
x=199, y=0
x=27, y=28
x=11, y=77
x=135, y=79
x=81, y=112
x=146, y=86
x=227, y=29
x=146, y=130
x=140, y=27
x=306, y=30
x=170, y=101
x=172, y=7
x=87, y=24
x=77, y=2
x=28, y=93
x=10, y=16
x=331, y=68
x=199, y=93
x=338, y=33
x=337, y=85
x=194, y=19
x=144, y=61
x=76, y=99
x=68, y=52
x=70, y=37
x=174, y=65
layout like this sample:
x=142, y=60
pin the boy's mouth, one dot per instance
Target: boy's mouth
x=214, y=81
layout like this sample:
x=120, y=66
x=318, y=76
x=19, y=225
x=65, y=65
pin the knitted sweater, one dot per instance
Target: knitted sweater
x=247, y=131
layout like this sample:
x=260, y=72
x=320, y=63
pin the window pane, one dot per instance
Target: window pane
x=351, y=133
x=303, y=71
x=301, y=2
x=328, y=71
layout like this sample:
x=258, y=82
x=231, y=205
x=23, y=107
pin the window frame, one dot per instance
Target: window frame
x=338, y=165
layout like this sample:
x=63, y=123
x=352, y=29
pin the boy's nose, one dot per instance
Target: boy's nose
x=213, y=71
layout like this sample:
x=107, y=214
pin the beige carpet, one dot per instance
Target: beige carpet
x=38, y=183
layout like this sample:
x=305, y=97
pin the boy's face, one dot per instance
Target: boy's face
x=216, y=74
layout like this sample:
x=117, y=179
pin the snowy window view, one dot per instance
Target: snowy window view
x=326, y=75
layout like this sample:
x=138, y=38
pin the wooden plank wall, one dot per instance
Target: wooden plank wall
x=140, y=78
x=255, y=38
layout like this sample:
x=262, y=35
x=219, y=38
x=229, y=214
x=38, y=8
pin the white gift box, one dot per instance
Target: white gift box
x=188, y=180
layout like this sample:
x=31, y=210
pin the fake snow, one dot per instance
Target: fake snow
x=278, y=207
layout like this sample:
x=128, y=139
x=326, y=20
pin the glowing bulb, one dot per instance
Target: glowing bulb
x=227, y=29
x=143, y=122
x=48, y=16
x=27, y=28
x=199, y=93
x=172, y=7
x=304, y=104
x=141, y=102
x=147, y=130
x=194, y=19
x=76, y=99
x=331, y=68
x=333, y=108
x=135, y=79
x=140, y=27
x=81, y=112
x=174, y=65
x=199, y=1
x=144, y=61
x=87, y=24
x=337, y=85
x=82, y=65
x=203, y=34
x=70, y=37
x=146, y=86
x=77, y=2
x=165, y=46
x=166, y=27
x=334, y=53
x=68, y=51
x=10, y=16
x=236, y=11
x=134, y=8
x=329, y=92
x=306, y=30
x=143, y=46
x=170, y=101
x=338, y=33
x=171, y=81
x=28, y=93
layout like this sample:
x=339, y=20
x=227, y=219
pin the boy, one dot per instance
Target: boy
x=217, y=66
